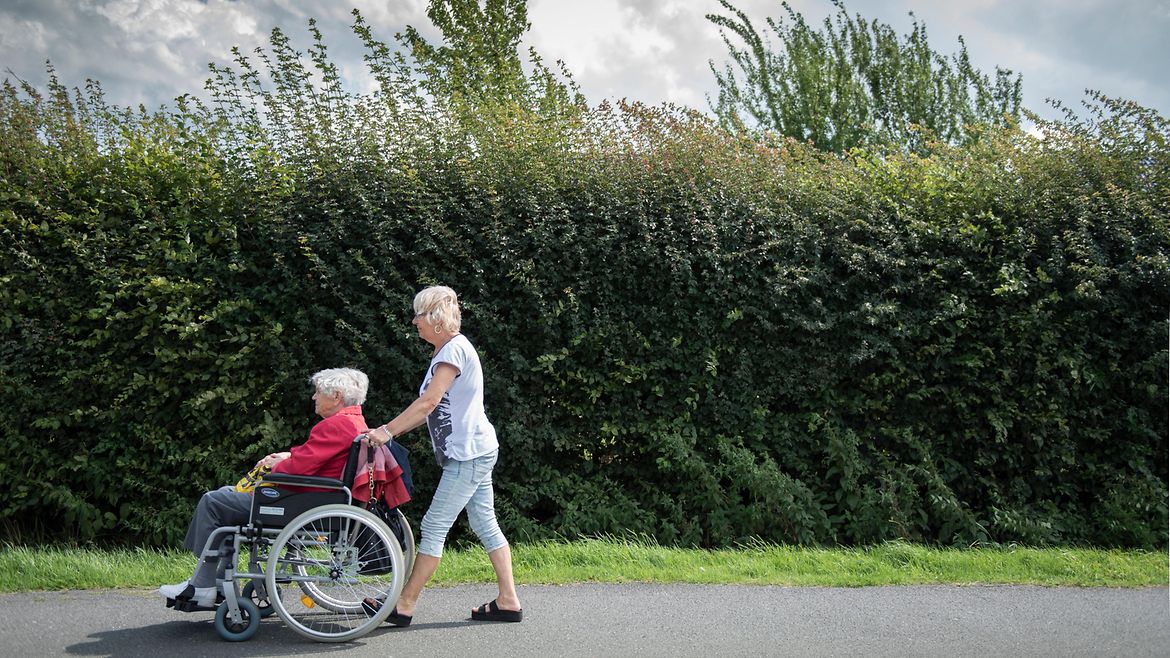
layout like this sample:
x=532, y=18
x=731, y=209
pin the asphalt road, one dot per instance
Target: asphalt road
x=638, y=620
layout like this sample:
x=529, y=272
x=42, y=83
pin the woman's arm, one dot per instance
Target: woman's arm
x=416, y=414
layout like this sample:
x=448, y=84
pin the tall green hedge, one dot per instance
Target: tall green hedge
x=685, y=333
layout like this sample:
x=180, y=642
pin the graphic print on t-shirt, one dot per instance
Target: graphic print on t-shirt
x=439, y=425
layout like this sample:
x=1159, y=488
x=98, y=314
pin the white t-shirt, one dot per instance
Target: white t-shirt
x=459, y=428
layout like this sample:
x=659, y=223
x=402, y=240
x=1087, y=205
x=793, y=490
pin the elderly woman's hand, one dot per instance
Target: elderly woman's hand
x=273, y=459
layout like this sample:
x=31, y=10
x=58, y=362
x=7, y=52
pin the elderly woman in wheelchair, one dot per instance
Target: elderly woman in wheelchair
x=313, y=553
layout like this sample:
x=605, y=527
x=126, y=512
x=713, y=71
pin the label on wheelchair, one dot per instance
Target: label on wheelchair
x=271, y=511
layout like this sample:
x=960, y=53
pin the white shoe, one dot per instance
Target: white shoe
x=203, y=596
x=173, y=591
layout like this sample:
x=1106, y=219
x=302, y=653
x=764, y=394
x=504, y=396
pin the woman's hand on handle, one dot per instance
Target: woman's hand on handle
x=379, y=436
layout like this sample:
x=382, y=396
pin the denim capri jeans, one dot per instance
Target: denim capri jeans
x=464, y=485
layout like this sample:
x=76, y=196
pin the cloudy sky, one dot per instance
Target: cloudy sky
x=149, y=51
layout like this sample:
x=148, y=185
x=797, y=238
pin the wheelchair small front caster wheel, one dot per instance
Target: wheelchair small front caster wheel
x=244, y=629
x=263, y=603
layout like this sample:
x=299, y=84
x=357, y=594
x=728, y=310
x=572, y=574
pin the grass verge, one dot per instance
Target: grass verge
x=626, y=560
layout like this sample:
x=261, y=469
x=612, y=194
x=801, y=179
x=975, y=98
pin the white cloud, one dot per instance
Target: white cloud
x=593, y=38
x=23, y=35
x=648, y=51
x=151, y=20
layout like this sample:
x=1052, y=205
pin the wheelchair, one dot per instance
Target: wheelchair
x=312, y=557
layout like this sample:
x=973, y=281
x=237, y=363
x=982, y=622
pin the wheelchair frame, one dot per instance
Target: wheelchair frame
x=335, y=552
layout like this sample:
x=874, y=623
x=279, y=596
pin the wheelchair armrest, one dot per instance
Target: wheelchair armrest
x=302, y=480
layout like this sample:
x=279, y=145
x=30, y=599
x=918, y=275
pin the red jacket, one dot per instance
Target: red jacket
x=325, y=452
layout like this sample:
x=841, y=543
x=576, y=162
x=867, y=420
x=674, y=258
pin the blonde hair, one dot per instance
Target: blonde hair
x=440, y=306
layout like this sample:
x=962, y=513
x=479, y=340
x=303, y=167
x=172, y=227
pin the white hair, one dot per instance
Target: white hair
x=352, y=384
x=441, y=307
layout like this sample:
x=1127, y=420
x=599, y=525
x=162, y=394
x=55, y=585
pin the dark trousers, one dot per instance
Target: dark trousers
x=224, y=506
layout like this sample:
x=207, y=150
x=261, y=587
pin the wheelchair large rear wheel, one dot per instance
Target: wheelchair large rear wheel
x=400, y=528
x=338, y=555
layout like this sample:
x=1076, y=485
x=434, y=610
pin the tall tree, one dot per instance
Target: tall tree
x=853, y=83
x=479, y=61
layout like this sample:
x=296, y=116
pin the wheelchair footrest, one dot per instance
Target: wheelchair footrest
x=187, y=605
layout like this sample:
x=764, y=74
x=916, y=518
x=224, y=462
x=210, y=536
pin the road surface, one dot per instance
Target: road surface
x=672, y=621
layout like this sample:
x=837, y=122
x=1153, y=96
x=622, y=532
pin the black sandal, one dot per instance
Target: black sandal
x=492, y=612
x=372, y=606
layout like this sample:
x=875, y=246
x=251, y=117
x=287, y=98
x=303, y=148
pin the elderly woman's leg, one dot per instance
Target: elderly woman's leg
x=221, y=507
